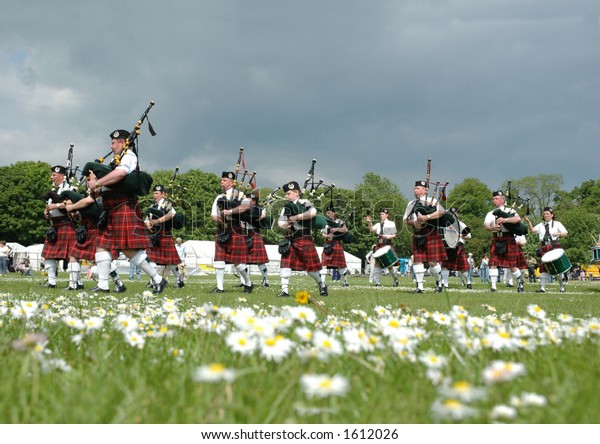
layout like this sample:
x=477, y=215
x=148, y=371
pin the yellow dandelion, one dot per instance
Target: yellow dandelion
x=302, y=297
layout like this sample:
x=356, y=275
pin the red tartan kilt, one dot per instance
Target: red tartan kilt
x=258, y=252
x=303, y=256
x=61, y=249
x=125, y=229
x=514, y=257
x=545, y=249
x=87, y=250
x=457, y=262
x=336, y=259
x=165, y=252
x=433, y=251
x=233, y=252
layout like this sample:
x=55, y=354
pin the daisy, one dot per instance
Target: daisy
x=126, y=323
x=134, y=339
x=275, y=348
x=503, y=412
x=535, y=311
x=303, y=314
x=463, y=391
x=500, y=371
x=214, y=372
x=241, y=342
x=93, y=323
x=528, y=399
x=74, y=323
x=323, y=386
x=433, y=360
x=451, y=409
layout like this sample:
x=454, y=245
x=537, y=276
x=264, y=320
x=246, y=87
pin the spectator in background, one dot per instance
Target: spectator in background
x=4, y=254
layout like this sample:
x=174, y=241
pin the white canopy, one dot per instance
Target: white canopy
x=200, y=254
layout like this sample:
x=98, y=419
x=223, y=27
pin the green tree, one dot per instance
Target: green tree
x=473, y=199
x=23, y=185
x=541, y=190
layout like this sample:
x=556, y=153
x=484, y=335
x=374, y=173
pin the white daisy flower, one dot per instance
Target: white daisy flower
x=535, y=311
x=214, y=372
x=275, y=348
x=500, y=371
x=135, y=339
x=126, y=323
x=323, y=386
x=453, y=409
x=93, y=323
x=433, y=360
x=503, y=412
x=241, y=342
x=463, y=391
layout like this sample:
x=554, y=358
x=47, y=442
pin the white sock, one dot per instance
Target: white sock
x=50, y=267
x=285, y=274
x=419, y=270
x=103, y=259
x=219, y=273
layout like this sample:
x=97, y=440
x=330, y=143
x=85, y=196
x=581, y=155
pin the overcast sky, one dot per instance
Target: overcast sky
x=494, y=90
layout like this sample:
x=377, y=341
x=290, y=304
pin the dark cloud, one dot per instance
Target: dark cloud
x=491, y=90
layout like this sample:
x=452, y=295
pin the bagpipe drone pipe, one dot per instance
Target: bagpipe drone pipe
x=137, y=182
x=518, y=228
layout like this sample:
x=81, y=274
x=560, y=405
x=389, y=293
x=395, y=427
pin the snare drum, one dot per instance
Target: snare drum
x=385, y=257
x=556, y=262
x=595, y=255
x=451, y=236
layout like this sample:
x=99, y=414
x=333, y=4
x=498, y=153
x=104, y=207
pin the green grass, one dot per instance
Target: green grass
x=110, y=381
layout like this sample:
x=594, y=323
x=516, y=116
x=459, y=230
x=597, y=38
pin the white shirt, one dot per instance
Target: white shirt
x=283, y=218
x=555, y=227
x=425, y=200
x=216, y=212
x=490, y=219
x=389, y=228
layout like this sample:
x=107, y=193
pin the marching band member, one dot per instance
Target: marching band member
x=61, y=236
x=88, y=210
x=124, y=228
x=457, y=259
x=302, y=254
x=333, y=252
x=163, y=252
x=257, y=252
x=230, y=243
x=428, y=245
x=386, y=233
x=505, y=251
x=549, y=232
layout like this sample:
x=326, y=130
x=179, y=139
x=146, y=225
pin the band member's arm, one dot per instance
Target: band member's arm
x=526, y=218
x=241, y=208
x=514, y=219
x=343, y=229
x=439, y=212
x=311, y=213
x=161, y=220
x=115, y=176
x=82, y=203
x=372, y=229
x=390, y=235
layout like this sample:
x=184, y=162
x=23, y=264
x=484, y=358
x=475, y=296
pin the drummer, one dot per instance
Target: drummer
x=549, y=232
x=386, y=233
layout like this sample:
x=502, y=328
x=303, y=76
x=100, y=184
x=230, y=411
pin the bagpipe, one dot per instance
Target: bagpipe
x=138, y=182
x=175, y=195
x=92, y=211
x=429, y=205
x=245, y=187
x=518, y=228
x=239, y=187
x=302, y=205
x=347, y=236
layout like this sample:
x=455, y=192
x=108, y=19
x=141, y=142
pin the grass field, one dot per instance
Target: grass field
x=362, y=355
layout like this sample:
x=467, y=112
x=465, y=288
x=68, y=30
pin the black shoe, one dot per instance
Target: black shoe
x=179, y=284
x=396, y=283
x=438, y=289
x=47, y=285
x=509, y=285
x=218, y=290
x=470, y=287
x=346, y=284
x=520, y=288
x=120, y=288
x=418, y=290
x=264, y=283
x=493, y=290
x=541, y=290
x=69, y=288
x=80, y=287
x=239, y=286
x=158, y=288
x=377, y=285
x=323, y=290
x=283, y=294
x=248, y=288
x=99, y=290
x=150, y=284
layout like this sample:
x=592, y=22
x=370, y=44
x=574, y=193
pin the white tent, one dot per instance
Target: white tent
x=35, y=255
x=199, y=258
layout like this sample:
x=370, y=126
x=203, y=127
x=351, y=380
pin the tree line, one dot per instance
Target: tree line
x=23, y=185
